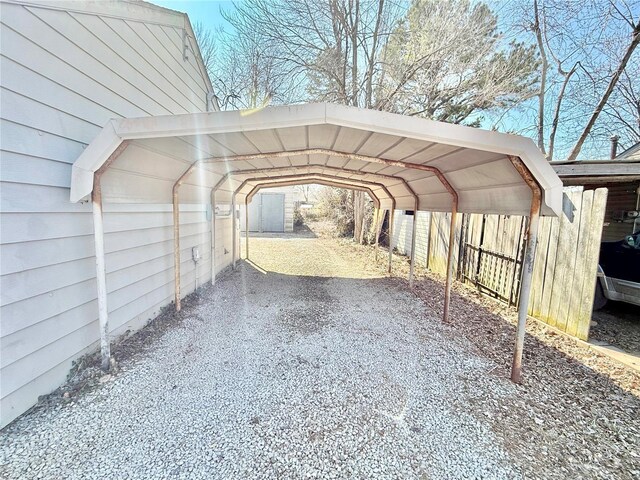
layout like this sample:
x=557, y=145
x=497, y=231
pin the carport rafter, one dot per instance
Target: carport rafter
x=305, y=178
x=287, y=180
x=232, y=173
x=343, y=182
x=324, y=151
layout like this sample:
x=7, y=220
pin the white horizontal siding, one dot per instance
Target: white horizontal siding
x=64, y=74
x=402, y=230
x=432, y=238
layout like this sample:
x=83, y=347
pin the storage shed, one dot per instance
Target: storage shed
x=270, y=211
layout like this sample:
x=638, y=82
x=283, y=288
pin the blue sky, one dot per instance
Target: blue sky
x=205, y=11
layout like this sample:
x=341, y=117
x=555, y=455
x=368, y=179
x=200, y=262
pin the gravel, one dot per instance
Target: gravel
x=618, y=324
x=305, y=363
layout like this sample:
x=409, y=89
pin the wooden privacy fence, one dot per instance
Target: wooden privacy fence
x=489, y=250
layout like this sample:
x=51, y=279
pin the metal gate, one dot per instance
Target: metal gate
x=492, y=249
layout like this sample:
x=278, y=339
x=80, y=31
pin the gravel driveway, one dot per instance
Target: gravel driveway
x=305, y=363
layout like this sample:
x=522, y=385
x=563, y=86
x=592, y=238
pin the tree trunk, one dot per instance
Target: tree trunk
x=556, y=116
x=543, y=76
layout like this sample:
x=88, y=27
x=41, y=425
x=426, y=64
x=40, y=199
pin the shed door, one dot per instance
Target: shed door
x=272, y=212
x=254, y=215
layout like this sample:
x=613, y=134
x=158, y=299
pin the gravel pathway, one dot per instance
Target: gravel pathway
x=325, y=369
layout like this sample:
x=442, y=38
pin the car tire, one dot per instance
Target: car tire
x=599, y=300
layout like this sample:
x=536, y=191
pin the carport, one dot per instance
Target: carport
x=402, y=162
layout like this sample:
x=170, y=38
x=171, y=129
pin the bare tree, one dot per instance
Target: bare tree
x=304, y=191
x=585, y=48
x=206, y=39
x=623, y=109
x=442, y=59
x=632, y=44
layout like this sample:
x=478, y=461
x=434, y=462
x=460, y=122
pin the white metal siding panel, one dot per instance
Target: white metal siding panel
x=289, y=205
x=402, y=230
x=64, y=75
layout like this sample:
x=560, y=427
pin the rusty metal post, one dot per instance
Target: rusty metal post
x=234, y=229
x=413, y=243
x=390, y=229
x=101, y=269
x=101, y=274
x=176, y=247
x=246, y=227
x=376, y=232
x=452, y=239
x=213, y=237
x=527, y=267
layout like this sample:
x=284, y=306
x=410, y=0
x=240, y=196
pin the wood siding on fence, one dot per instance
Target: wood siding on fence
x=565, y=267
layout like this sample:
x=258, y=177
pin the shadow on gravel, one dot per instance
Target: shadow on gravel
x=566, y=418
x=618, y=324
x=566, y=413
x=299, y=232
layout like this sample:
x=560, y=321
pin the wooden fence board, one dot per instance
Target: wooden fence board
x=566, y=256
x=547, y=291
x=591, y=254
x=539, y=267
x=581, y=259
x=567, y=288
x=565, y=265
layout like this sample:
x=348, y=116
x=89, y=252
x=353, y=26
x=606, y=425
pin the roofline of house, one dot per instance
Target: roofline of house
x=632, y=149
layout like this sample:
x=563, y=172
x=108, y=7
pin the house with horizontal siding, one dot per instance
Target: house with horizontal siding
x=67, y=68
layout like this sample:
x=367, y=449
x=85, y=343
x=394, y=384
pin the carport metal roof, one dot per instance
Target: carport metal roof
x=426, y=155
x=402, y=162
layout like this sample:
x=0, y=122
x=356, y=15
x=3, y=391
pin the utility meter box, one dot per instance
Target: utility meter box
x=195, y=254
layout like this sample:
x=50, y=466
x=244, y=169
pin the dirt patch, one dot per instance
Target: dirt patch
x=312, y=310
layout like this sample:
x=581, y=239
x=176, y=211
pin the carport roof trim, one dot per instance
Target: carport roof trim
x=117, y=131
